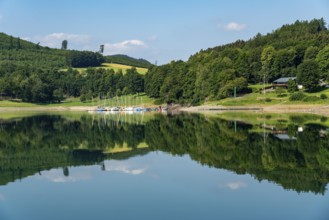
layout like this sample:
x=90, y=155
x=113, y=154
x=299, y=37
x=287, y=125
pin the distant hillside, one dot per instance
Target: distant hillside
x=13, y=49
x=23, y=52
x=129, y=61
x=300, y=49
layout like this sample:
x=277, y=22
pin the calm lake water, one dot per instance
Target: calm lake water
x=230, y=166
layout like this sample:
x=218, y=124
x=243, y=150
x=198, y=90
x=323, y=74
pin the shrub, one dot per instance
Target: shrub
x=292, y=86
x=323, y=96
x=297, y=96
x=83, y=98
x=268, y=100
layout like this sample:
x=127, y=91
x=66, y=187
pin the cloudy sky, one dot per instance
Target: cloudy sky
x=161, y=30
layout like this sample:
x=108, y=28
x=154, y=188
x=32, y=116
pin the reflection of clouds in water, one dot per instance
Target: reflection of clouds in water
x=2, y=197
x=123, y=167
x=56, y=176
x=234, y=185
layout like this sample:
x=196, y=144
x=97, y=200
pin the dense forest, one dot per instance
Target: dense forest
x=300, y=49
x=44, y=85
x=300, y=162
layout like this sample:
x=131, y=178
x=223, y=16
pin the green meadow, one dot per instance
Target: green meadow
x=116, y=68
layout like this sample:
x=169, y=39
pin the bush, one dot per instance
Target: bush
x=323, y=96
x=282, y=95
x=83, y=98
x=292, y=86
x=268, y=100
x=297, y=96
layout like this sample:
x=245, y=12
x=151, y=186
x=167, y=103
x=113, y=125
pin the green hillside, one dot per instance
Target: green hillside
x=22, y=52
x=300, y=49
x=32, y=73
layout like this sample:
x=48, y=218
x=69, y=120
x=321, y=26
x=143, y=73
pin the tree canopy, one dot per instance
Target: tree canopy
x=214, y=73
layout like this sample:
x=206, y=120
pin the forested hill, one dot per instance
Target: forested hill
x=25, y=52
x=126, y=60
x=32, y=73
x=291, y=50
x=20, y=51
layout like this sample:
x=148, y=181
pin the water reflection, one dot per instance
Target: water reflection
x=291, y=151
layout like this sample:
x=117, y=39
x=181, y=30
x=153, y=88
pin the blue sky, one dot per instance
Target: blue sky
x=161, y=30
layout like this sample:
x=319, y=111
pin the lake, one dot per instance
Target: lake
x=154, y=166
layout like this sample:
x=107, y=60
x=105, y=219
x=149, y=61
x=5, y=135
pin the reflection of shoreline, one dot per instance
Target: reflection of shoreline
x=281, y=108
x=284, y=108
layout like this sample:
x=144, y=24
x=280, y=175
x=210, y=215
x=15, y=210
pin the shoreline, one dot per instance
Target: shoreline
x=297, y=108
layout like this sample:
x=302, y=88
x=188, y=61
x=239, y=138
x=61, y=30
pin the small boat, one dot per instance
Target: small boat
x=115, y=109
x=129, y=109
x=138, y=109
x=100, y=109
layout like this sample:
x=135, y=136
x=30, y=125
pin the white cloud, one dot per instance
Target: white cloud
x=118, y=166
x=236, y=185
x=233, y=185
x=233, y=26
x=124, y=47
x=56, y=176
x=153, y=37
x=55, y=39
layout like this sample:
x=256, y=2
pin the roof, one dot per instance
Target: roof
x=285, y=137
x=284, y=79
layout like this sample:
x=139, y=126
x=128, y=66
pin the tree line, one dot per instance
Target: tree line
x=300, y=49
x=47, y=85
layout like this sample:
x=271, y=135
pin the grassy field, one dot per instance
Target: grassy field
x=269, y=98
x=116, y=67
x=124, y=68
x=129, y=100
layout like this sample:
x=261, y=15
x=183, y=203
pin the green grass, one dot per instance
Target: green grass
x=10, y=103
x=66, y=103
x=116, y=67
x=124, y=68
x=258, y=86
x=269, y=98
x=129, y=100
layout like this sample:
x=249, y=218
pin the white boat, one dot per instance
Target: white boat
x=129, y=109
x=115, y=109
x=138, y=109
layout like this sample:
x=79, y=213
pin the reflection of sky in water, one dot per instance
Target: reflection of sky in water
x=154, y=186
x=56, y=176
x=124, y=167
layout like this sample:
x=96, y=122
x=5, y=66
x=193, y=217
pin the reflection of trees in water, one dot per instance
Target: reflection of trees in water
x=299, y=162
